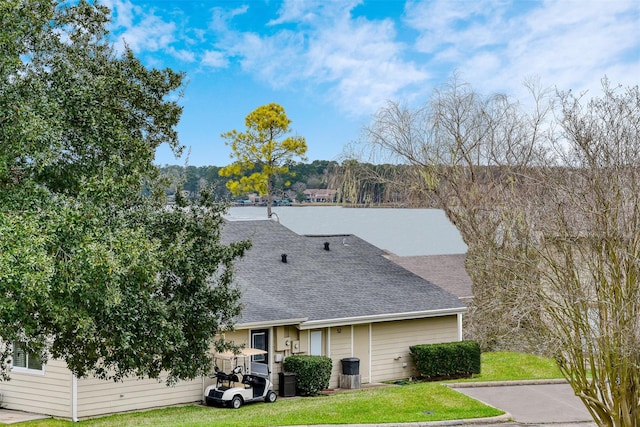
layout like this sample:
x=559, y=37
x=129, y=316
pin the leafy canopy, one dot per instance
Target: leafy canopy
x=260, y=149
x=94, y=269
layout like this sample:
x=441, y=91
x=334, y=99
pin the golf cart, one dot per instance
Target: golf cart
x=229, y=390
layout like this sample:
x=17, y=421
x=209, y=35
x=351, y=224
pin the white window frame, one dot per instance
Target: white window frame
x=315, y=343
x=25, y=369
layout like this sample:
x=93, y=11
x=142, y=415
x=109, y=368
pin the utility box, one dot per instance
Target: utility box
x=287, y=384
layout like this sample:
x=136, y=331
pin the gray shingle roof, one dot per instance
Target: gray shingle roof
x=353, y=279
x=447, y=271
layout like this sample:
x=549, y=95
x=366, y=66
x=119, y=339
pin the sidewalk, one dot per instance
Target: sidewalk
x=8, y=416
x=532, y=402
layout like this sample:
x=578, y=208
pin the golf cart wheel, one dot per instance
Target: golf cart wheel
x=236, y=402
x=271, y=397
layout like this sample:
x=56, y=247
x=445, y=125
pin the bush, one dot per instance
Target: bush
x=447, y=360
x=312, y=373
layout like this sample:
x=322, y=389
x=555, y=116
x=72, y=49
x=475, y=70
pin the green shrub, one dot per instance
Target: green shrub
x=447, y=360
x=312, y=373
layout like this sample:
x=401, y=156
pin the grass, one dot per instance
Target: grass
x=511, y=366
x=417, y=402
x=392, y=404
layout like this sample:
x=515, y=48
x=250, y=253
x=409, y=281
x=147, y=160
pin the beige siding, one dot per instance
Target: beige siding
x=361, y=349
x=98, y=397
x=340, y=347
x=391, y=341
x=239, y=337
x=48, y=394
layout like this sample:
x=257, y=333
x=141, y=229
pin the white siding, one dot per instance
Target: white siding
x=391, y=341
x=98, y=397
x=48, y=394
x=51, y=393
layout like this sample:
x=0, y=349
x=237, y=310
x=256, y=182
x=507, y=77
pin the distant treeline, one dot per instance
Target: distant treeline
x=356, y=183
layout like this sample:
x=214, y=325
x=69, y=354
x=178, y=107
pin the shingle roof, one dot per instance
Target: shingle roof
x=447, y=271
x=351, y=280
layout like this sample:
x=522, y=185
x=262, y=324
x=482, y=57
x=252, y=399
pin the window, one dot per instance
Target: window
x=260, y=339
x=316, y=343
x=25, y=360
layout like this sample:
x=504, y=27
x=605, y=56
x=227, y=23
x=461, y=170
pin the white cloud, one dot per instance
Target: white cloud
x=143, y=31
x=181, y=54
x=569, y=44
x=150, y=34
x=122, y=12
x=358, y=60
x=222, y=16
x=444, y=22
x=215, y=59
x=364, y=61
x=306, y=11
x=355, y=63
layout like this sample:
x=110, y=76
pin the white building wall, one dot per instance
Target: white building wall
x=46, y=393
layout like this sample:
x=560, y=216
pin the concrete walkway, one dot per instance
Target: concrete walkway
x=8, y=416
x=536, y=403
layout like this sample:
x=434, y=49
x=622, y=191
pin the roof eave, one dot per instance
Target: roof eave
x=328, y=323
x=271, y=323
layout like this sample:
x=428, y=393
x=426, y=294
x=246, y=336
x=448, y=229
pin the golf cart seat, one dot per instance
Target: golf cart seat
x=222, y=377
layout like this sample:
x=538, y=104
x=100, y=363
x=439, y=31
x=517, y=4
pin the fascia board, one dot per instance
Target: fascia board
x=328, y=323
x=271, y=323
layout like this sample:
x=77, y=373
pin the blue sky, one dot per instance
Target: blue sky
x=332, y=63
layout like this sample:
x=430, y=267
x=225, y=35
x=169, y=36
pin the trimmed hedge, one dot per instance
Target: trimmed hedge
x=447, y=360
x=312, y=373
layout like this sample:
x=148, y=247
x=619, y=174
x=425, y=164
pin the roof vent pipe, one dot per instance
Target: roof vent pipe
x=284, y=258
x=326, y=246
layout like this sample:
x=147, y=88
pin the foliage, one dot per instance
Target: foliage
x=446, y=360
x=289, y=185
x=259, y=150
x=312, y=372
x=93, y=268
x=548, y=206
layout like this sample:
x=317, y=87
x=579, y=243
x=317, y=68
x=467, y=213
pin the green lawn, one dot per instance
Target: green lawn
x=408, y=403
x=511, y=366
x=416, y=402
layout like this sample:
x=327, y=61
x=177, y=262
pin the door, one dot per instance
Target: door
x=260, y=339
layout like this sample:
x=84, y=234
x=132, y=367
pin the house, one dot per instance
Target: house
x=333, y=295
x=337, y=296
x=315, y=195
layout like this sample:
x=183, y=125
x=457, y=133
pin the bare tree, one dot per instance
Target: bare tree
x=590, y=253
x=471, y=153
x=549, y=208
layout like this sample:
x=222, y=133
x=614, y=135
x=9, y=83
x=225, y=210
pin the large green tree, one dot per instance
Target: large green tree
x=93, y=268
x=259, y=149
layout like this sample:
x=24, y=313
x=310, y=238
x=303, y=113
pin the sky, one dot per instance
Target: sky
x=333, y=63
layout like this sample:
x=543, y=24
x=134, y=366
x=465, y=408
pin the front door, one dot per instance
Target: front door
x=260, y=339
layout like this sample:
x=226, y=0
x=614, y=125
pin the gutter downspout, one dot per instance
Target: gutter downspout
x=459, y=326
x=74, y=398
